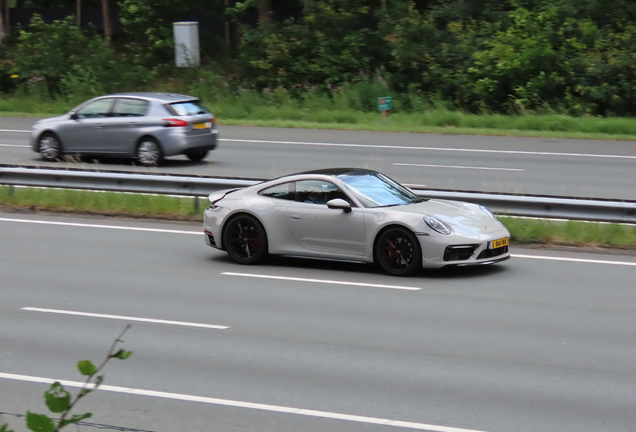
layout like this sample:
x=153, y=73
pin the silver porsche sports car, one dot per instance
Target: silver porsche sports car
x=353, y=214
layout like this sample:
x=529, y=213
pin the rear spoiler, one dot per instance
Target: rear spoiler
x=219, y=195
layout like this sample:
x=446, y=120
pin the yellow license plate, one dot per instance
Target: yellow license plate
x=498, y=243
x=201, y=125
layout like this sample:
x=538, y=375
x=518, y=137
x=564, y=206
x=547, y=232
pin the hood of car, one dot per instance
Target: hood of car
x=461, y=216
x=53, y=119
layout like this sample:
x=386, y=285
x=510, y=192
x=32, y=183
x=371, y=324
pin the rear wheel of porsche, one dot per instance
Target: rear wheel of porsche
x=398, y=252
x=245, y=240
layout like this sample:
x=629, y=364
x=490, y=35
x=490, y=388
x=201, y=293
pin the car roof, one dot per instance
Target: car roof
x=158, y=96
x=337, y=172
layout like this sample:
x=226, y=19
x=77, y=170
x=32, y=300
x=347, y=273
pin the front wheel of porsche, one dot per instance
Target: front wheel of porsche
x=245, y=240
x=398, y=252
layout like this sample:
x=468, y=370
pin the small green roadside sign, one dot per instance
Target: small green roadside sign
x=384, y=103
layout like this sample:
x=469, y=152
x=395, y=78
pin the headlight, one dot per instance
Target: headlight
x=488, y=212
x=437, y=225
x=214, y=207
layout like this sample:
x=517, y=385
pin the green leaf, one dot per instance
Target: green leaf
x=122, y=354
x=57, y=398
x=86, y=367
x=75, y=419
x=39, y=422
x=5, y=428
x=98, y=381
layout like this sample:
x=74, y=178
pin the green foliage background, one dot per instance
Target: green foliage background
x=575, y=57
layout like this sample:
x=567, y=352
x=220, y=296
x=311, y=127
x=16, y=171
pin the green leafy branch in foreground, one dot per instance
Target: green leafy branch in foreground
x=59, y=401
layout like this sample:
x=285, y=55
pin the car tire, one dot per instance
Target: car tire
x=398, y=252
x=149, y=152
x=245, y=239
x=50, y=146
x=197, y=156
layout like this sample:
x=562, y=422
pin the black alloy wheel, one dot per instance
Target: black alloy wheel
x=197, y=156
x=245, y=240
x=398, y=252
x=50, y=146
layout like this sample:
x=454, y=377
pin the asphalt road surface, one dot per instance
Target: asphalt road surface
x=541, y=343
x=558, y=167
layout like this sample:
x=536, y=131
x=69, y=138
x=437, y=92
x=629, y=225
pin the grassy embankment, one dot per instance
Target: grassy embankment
x=523, y=231
x=251, y=109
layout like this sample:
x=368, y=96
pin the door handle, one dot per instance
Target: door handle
x=99, y=125
x=294, y=217
x=134, y=124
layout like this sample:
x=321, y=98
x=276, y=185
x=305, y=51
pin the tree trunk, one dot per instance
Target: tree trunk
x=264, y=9
x=78, y=13
x=108, y=32
x=4, y=18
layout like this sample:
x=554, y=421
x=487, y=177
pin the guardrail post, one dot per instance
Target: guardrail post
x=11, y=190
x=196, y=204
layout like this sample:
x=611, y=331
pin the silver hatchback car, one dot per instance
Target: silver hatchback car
x=143, y=126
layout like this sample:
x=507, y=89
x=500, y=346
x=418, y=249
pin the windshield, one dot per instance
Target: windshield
x=377, y=190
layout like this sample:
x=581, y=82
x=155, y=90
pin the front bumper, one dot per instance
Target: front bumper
x=435, y=252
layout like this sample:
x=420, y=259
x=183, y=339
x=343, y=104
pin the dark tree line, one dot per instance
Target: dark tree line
x=576, y=56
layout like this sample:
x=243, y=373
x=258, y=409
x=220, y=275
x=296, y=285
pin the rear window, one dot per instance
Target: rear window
x=188, y=108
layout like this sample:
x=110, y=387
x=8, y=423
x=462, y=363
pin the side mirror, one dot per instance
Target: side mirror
x=339, y=203
x=74, y=116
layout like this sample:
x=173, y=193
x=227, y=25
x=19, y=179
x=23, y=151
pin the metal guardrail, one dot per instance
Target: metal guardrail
x=510, y=205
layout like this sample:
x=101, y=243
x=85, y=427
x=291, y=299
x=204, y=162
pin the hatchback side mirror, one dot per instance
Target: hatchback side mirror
x=74, y=116
x=339, y=203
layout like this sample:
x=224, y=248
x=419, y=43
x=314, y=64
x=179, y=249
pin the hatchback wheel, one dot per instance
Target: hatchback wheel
x=149, y=152
x=50, y=146
x=245, y=240
x=398, y=252
x=197, y=156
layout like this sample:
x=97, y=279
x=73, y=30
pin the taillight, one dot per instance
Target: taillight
x=170, y=122
x=213, y=121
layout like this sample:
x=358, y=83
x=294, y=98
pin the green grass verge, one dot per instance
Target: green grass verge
x=523, y=231
x=250, y=109
x=101, y=203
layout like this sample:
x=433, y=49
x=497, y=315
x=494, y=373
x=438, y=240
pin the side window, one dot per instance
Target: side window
x=99, y=108
x=130, y=107
x=282, y=191
x=318, y=192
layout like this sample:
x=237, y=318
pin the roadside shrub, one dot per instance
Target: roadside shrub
x=333, y=43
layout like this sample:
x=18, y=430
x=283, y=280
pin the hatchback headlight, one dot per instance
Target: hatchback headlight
x=437, y=225
x=214, y=207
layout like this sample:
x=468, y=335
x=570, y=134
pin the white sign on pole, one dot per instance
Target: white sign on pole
x=186, y=43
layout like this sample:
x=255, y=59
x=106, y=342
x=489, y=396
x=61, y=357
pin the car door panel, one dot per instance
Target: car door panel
x=319, y=228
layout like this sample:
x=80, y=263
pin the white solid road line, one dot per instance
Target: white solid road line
x=456, y=167
x=14, y=145
x=115, y=227
x=118, y=227
x=397, y=147
x=126, y=318
x=302, y=143
x=241, y=404
x=577, y=260
x=322, y=281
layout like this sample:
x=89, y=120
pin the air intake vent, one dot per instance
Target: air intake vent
x=489, y=253
x=459, y=252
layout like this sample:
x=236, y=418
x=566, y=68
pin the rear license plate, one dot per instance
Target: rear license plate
x=498, y=243
x=206, y=125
